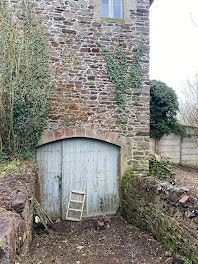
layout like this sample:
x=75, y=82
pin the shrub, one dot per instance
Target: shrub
x=160, y=169
x=24, y=82
x=164, y=108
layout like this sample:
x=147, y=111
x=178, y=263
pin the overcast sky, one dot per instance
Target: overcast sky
x=174, y=42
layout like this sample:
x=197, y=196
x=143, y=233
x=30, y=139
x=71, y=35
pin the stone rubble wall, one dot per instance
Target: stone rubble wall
x=16, y=217
x=169, y=213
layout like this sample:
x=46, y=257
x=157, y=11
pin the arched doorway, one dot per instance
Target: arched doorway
x=82, y=164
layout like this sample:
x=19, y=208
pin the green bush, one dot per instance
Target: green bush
x=160, y=169
x=164, y=108
x=24, y=81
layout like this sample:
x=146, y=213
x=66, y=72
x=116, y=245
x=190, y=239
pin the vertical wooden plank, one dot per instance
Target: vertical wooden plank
x=74, y=169
x=91, y=166
x=85, y=164
x=49, y=162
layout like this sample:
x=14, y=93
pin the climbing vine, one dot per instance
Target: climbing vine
x=117, y=70
x=120, y=74
x=24, y=81
x=136, y=72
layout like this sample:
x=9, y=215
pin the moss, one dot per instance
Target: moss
x=160, y=169
x=194, y=258
x=128, y=178
x=150, y=196
x=112, y=20
x=168, y=244
x=142, y=206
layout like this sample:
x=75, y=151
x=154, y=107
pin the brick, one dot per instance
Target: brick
x=184, y=199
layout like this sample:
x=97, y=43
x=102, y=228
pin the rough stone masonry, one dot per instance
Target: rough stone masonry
x=168, y=212
x=83, y=102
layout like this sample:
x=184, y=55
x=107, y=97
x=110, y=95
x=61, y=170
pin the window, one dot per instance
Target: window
x=111, y=8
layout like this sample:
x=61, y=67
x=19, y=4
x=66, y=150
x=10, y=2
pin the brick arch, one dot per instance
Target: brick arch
x=108, y=136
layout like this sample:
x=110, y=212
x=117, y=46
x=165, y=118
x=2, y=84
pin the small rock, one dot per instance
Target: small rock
x=103, y=222
x=168, y=254
x=173, y=196
x=19, y=200
x=190, y=213
x=80, y=247
x=170, y=187
x=177, y=261
x=193, y=200
x=164, y=184
x=185, y=189
x=176, y=190
x=159, y=188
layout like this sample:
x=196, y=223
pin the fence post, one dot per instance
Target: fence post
x=180, y=148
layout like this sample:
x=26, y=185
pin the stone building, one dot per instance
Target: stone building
x=84, y=113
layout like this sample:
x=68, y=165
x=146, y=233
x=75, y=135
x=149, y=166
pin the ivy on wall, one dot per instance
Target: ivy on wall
x=24, y=81
x=117, y=70
x=120, y=74
x=136, y=71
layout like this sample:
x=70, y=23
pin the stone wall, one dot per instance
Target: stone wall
x=169, y=213
x=176, y=149
x=83, y=102
x=16, y=215
x=83, y=99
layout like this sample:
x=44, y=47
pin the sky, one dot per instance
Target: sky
x=174, y=42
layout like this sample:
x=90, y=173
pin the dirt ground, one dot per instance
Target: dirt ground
x=121, y=243
x=187, y=177
x=82, y=243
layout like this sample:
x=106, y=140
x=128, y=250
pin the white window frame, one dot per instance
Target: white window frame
x=111, y=10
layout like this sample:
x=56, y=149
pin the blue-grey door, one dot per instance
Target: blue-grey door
x=49, y=159
x=85, y=165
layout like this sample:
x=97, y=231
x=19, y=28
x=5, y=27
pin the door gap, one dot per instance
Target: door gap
x=61, y=183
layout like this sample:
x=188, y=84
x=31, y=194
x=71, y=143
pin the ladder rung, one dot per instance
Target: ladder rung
x=72, y=219
x=78, y=192
x=76, y=201
x=76, y=210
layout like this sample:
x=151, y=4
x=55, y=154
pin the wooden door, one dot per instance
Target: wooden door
x=79, y=164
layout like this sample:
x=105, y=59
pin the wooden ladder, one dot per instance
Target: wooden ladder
x=45, y=219
x=75, y=201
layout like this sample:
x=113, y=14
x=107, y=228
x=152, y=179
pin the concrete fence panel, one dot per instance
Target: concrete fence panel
x=177, y=149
